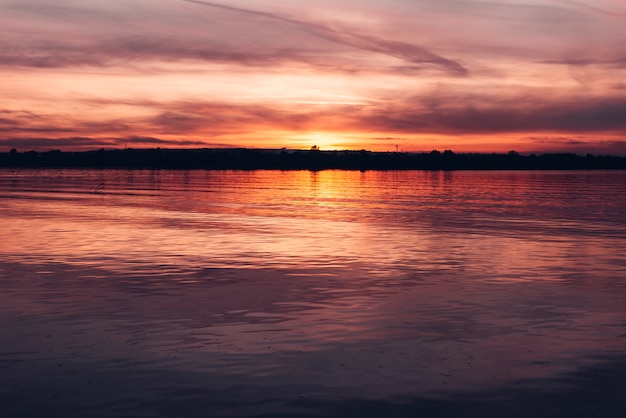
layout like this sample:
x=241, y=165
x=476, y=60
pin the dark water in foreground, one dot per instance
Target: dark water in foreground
x=268, y=293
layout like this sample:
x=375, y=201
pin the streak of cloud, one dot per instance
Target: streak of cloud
x=606, y=12
x=405, y=51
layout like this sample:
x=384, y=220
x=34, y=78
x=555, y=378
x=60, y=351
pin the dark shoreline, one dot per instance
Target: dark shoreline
x=254, y=159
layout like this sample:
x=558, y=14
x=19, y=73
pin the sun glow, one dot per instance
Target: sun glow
x=324, y=141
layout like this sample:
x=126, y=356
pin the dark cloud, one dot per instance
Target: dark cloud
x=39, y=143
x=616, y=62
x=591, y=145
x=484, y=114
x=89, y=143
x=146, y=140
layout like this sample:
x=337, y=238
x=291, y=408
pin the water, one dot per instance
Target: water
x=296, y=293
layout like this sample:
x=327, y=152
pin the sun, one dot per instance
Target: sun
x=322, y=141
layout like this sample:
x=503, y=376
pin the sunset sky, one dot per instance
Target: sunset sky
x=466, y=75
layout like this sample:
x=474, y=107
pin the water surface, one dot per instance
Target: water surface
x=332, y=293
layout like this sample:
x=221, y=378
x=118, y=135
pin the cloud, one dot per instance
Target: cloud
x=437, y=113
x=578, y=144
x=18, y=123
x=107, y=53
x=441, y=113
x=13, y=116
x=104, y=38
x=412, y=33
x=582, y=62
x=90, y=143
x=38, y=143
x=492, y=115
x=215, y=118
x=143, y=140
x=620, y=14
x=402, y=50
x=173, y=70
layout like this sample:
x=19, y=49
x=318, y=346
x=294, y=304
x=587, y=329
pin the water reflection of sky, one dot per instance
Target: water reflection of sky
x=368, y=285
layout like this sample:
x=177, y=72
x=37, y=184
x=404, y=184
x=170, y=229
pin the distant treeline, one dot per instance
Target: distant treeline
x=250, y=159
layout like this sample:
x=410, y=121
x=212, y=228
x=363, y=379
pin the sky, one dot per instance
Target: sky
x=412, y=75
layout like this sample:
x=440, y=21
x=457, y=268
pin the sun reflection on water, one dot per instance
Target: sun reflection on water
x=379, y=282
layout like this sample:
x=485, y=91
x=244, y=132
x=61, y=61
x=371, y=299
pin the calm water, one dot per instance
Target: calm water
x=332, y=293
